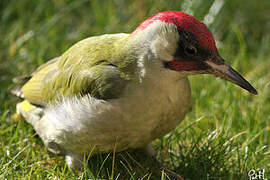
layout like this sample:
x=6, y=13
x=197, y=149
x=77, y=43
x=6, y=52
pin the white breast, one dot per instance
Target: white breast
x=148, y=110
x=156, y=107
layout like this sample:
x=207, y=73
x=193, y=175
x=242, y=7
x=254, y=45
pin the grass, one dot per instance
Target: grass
x=226, y=132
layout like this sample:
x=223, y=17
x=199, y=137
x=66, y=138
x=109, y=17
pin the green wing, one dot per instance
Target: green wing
x=86, y=68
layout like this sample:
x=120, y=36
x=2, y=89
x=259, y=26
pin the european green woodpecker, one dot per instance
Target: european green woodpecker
x=121, y=91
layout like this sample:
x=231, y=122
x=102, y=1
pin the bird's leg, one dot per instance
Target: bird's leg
x=75, y=161
x=149, y=150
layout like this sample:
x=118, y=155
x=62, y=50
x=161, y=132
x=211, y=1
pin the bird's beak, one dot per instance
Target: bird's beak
x=219, y=68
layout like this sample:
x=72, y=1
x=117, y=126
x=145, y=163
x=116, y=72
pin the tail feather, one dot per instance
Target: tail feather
x=21, y=79
x=29, y=112
x=17, y=92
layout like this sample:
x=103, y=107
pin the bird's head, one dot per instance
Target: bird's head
x=186, y=45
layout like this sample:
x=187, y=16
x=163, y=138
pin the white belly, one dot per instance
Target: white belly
x=147, y=110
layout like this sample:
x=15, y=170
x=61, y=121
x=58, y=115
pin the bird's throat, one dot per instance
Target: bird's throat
x=178, y=65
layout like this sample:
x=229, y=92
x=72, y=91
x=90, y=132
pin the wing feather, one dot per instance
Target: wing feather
x=84, y=69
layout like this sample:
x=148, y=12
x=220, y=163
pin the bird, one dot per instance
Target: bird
x=115, y=92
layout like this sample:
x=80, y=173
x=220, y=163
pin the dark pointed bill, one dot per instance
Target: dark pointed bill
x=219, y=68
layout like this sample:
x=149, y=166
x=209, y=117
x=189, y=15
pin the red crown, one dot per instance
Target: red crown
x=185, y=22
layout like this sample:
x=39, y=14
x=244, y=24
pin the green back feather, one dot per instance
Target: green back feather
x=100, y=66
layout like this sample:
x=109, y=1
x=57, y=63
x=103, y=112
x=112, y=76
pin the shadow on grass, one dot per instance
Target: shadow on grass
x=205, y=157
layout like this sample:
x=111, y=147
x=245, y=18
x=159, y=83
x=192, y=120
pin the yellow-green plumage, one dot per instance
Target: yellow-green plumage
x=86, y=68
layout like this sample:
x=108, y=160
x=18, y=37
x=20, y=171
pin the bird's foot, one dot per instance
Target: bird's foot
x=75, y=161
x=150, y=152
